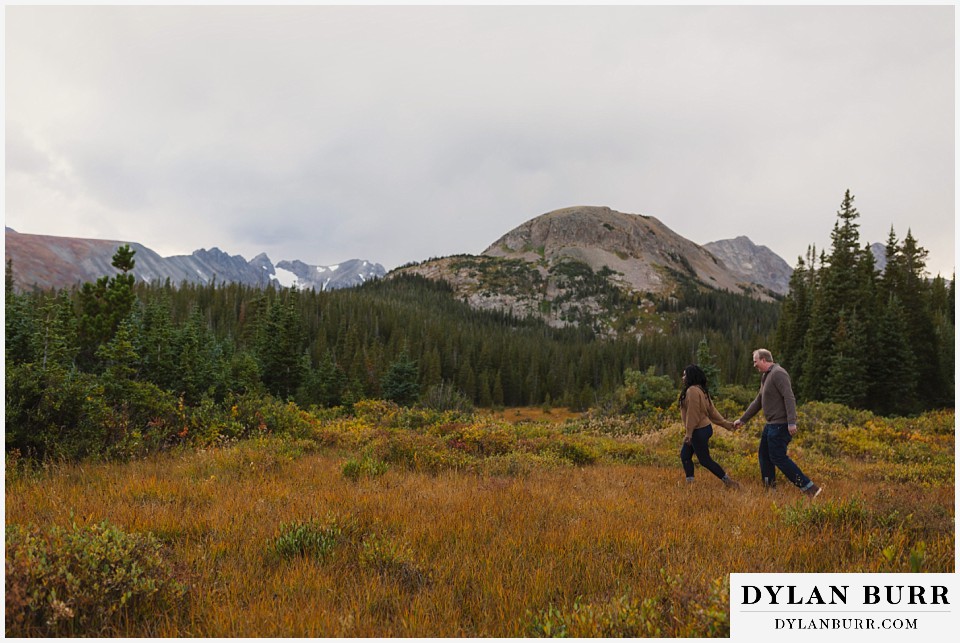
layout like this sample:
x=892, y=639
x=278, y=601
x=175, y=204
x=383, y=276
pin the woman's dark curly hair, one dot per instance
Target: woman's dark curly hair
x=694, y=377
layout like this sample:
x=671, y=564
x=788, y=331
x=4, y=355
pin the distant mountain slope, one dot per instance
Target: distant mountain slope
x=46, y=261
x=641, y=248
x=751, y=262
x=344, y=275
x=587, y=266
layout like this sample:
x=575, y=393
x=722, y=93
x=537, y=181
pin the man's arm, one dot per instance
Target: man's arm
x=749, y=413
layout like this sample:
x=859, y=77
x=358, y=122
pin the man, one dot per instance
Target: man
x=780, y=410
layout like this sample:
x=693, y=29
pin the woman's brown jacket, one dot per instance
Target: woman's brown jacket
x=697, y=411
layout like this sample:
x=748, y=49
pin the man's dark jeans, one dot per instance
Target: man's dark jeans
x=700, y=446
x=773, y=456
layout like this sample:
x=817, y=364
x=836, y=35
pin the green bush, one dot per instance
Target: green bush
x=839, y=512
x=311, y=539
x=55, y=413
x=642, y=391
x=84, y=581
x=624, y=616
x=821, y=414
x=578, y=454
x=365, y=467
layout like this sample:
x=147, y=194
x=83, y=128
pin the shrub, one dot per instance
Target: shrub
x=518, y=464
x=622, y=617
x=820, y=414
x=642, y=390
x=416, y=452
x=737, y=396
x=835, y=512
x=480, y=440
x=365, y=467
x=55, y=413
x=445, y=397
x=576, y=453
x=311, y=539
x=376, y=412
x=84, y=581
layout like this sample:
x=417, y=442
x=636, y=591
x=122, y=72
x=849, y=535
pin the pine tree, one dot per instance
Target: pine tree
x=401, y=381
x=837, y=290
x=104, y=305
x=847, y=377
x=707, y=362
x=795, y=319
x=280, y=345
x=54, y=340
x=894, y=373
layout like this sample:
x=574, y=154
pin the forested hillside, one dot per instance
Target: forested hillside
x=121, y=355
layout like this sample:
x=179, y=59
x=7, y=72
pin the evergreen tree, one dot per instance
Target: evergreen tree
x=280, y=345
x=837, y=290
x=325, y=385
x=54, y=341
x=104, y=305
x=197, y=361
x=894, y=374
x=795, y=318
x=401, y=381
x=847, y=377
x=157, y=346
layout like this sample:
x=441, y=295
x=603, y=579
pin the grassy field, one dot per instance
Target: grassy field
x=387, y=523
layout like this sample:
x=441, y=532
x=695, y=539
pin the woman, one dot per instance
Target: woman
x=696, y=411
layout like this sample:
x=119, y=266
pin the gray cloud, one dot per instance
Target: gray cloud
x=395, y=134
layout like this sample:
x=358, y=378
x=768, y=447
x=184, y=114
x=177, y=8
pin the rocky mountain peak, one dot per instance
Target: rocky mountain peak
x=754, y=263
x=640, y=248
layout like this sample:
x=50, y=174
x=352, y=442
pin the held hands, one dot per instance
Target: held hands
x=737, y=424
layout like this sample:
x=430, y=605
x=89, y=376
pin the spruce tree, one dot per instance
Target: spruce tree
x=401, y=381
x=708, y=363
x=894, y=373
x=847, y=377
x=795, y=312
x=104, y=305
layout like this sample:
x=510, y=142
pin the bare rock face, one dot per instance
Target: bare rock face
x=751, y=262
x=642, y=249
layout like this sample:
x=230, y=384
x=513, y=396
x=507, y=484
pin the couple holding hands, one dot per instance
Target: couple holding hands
x=779, y=406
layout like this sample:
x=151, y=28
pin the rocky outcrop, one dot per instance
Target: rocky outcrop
x=750, y=262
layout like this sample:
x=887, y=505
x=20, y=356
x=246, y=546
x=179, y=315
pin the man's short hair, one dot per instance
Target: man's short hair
x=764, y=354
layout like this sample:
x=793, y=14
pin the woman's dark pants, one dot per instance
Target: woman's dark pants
x=773, y=456
x=700, y=445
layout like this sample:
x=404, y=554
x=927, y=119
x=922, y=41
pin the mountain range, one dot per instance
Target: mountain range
x=44, y=261
x=634, y=252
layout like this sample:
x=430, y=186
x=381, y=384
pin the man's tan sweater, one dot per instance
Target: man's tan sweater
x=697, y=410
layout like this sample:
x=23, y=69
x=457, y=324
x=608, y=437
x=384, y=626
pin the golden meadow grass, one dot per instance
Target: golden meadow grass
x=482, y=529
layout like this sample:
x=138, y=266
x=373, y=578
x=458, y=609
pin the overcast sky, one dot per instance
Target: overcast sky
x=397, y=134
